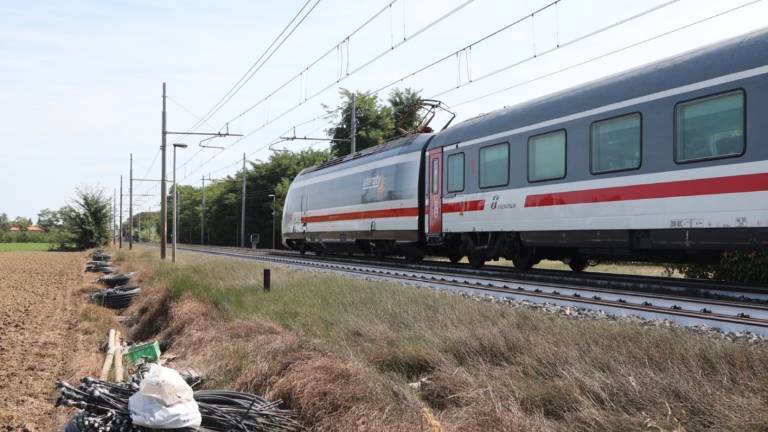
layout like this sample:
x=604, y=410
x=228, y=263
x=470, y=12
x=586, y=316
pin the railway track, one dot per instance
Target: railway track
x=650, y=298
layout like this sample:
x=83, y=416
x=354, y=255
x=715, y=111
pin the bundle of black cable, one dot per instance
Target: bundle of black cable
x=116, y=298
x=104, y=408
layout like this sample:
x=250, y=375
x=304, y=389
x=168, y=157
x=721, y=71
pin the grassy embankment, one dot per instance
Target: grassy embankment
x=345, y=353
x=24, y=247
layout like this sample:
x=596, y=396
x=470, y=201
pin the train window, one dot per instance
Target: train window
x=615, y=144
x=456, y=172
x=546, y=156
x=494, y=165
x=435, y=176
x=710, y=127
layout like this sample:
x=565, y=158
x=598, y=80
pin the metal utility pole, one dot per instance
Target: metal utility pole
x=273, y=219
x=130, y=207
x=114, y=215
x=163, y=192
x=178, y=207
x=138, y=234
x=175, y=202
x=202, y=216
x=242, y=207
x=353, y=126
x=120, y=218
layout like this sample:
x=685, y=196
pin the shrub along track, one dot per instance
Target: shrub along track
x=38, y=315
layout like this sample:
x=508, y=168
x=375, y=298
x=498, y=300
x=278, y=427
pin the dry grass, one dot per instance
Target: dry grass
x=344, y=351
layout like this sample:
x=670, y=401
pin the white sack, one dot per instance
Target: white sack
x=164, y=401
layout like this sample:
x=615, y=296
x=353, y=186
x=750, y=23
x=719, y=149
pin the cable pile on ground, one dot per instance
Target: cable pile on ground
x=242, y=412
x=104, y=408
x=117, y=279
x=100, y=263
x=116, y=298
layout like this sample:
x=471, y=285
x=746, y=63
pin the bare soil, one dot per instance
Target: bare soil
x=38, y=315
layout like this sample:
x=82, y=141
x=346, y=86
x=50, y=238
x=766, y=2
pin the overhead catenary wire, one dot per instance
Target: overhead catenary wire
x=328, y=52
x=255, y=67
x=560, y=46
x=510, y=25
x=455, y=54
x=604, y=55
x=258, y=64
x=333, y=84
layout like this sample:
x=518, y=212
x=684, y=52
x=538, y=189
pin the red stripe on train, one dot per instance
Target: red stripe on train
x=709, y=186
x=364, y=214
x=464, y=206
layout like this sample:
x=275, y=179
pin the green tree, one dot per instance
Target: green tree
x=375, y=123
x=405, y=105
x=22, y=223
x=86, y=222
x=5, y=223
x=49, y=219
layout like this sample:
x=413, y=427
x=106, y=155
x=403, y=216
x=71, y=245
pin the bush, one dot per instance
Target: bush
x=86, y=221
x=746, y=267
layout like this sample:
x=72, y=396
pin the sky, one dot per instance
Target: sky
x=81, y=81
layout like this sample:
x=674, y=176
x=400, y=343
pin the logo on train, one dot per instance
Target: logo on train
x=494, y=202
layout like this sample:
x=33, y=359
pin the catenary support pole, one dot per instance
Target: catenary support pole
x=352, y=127
x=138, y=227
x=178, y=207
x=202, y=216
x=120, y=217
x=163, y=192
x=274, y=197
x=130, y=206
x=242, y=207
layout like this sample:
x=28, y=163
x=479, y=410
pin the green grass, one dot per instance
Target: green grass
x=24, y=247
x=484, y=366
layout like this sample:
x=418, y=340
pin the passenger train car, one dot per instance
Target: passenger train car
x=667, y=162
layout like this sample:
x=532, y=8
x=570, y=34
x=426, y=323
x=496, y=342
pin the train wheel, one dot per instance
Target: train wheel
x=578, y=263
x=525, y=259
x=476, y=260
x=455, y=258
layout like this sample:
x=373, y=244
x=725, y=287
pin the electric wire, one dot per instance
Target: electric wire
x=607, y=54
x=333, y=84
x=560, y=46
x=255, y=66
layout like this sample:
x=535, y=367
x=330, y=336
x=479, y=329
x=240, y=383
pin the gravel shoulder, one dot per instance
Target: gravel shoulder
x=38, y=314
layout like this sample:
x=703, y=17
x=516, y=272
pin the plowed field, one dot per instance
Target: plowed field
x=37, y=312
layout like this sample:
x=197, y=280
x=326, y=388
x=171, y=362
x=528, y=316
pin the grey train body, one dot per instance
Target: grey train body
x=668, y=161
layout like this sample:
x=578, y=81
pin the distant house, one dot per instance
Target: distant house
x=31, y=228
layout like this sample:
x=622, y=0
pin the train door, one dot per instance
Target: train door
x=436, y=191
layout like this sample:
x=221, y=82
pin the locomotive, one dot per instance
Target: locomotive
x=666, y=162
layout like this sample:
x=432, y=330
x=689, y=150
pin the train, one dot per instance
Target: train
x=667, y=162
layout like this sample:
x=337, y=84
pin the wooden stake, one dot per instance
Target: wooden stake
x=110, y=356
x=118, y=359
